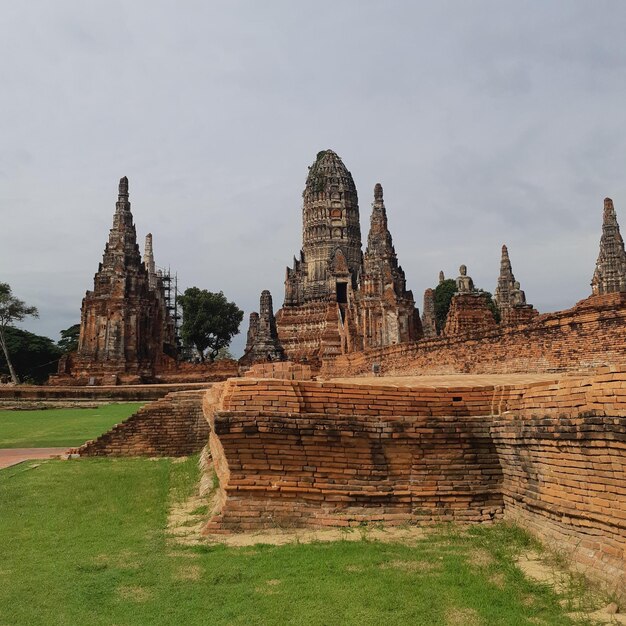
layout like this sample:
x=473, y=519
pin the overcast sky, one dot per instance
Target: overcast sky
x=486, y=123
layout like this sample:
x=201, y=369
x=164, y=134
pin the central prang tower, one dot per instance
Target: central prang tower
x=331, y=259
x=338, y=300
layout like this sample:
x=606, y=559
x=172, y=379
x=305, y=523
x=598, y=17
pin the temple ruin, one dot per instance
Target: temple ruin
x=429, y=323
x=337, y=299
x=535, y=435
x=262, y=342
x=469, y=313
x=509, y=297
x=125, y=328
x=610, y=272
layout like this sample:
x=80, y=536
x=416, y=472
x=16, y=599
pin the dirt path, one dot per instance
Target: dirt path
x=11, y=456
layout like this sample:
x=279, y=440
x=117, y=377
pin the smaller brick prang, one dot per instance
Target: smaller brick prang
x=610, y=273
x=262, y=342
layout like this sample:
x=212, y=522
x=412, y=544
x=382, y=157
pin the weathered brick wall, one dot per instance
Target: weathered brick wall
x=280, y=369
x=552, y=454
x=468, y=316
x=591, y=334
x=312, y=454
x=172, y=426
x=565, y=480
x=130, y=393
x=165, y=370
x=562, y=448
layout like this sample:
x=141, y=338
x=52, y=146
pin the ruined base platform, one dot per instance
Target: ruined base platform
x=544, y=450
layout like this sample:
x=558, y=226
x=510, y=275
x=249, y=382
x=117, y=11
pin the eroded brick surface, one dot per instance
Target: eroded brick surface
x=171, y=426
x=549, y=454
x=591, y=334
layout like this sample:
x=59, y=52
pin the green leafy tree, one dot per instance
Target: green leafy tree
x=69, y=339
x=443, y=293
x=12, y=310
x=209, y=321
x=33, y=357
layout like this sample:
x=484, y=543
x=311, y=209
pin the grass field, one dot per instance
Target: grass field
x=51, y=428
x=85, y=542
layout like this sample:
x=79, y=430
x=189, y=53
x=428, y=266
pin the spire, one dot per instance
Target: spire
x=148, y=261
x=122, y=245
x=253, y=332
x=610, y=272
x=442, y=277
x=428, y=316
x=262, y=342
x=508, y=296
x=505, y=264
x=123, y=189
x=506, y=282
x=379, y=239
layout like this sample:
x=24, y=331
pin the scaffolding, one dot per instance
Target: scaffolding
x=171, y=293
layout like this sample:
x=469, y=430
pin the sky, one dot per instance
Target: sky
x=486, y=122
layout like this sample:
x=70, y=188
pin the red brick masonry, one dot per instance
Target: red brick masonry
x=171, y=426
x=549, y=455
x=591, y=334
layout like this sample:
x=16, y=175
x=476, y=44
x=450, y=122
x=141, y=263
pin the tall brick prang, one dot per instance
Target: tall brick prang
x=124, y=323
x=610, y=273
x=330, y=222
x=388, y=314
x=333, y=279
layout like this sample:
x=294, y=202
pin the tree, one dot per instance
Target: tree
x=69, y=339
x=12, y=309
x=33, y=357
x=209, y=321
x=442, y=296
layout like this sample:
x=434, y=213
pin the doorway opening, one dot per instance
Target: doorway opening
x=342, y=293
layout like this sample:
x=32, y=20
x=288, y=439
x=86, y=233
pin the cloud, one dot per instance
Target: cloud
x=485, y=122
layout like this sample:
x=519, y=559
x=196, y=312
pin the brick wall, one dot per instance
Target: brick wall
x=316, y=454
x=565, y=480
x=126, y=393
x=591, y=334
x=552, y=454
x=280, y=369
x=172, y=426
x=562, y=448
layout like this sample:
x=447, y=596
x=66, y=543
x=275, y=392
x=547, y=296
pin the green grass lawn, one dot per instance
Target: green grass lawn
x=51, y=428
x=84, y=542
